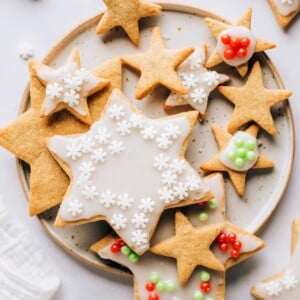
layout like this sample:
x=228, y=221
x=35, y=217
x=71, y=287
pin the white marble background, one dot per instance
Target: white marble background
x=42, y=23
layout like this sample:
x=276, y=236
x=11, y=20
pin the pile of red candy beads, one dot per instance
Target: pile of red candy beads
x=227, y=240
x=235, y=46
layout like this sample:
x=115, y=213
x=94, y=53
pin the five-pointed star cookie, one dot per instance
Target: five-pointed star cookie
x=26, y=138
x=219, y=27
x=284, y=285
x=238, y=178
x=68, y=87
x=198, y=81
x=253, y=102
x=158, y=66
x=105, y=167
x=126, y=13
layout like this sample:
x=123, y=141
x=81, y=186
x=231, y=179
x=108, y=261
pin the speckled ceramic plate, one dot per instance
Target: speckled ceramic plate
x=181, y=26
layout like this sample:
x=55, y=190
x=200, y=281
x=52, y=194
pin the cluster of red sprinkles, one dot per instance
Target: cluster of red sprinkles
x=227, y=240
x=235, y=46
x=150, y=287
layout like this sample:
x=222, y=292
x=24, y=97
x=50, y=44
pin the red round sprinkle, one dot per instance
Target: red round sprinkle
x=150, y=286
x=229, y=54
x=115, y=248
x=222, y=238
x=235, y=42
x=205, y=286
x=235, y=253
x=120, y=243
x=237, y=245
x=225, y=38
x=231, y=237
x=153, y=296
x=223, y=247
x=242, y=52
x=202, y=204
x=245, y=42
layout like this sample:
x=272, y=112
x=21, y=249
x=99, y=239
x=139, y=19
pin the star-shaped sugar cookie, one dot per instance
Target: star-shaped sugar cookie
x=68, y=87
x=239, y=159
x=241, y=29
x=253, y=102
x=26, y=137
x=158, y=66
x=126, y=13
x=284, y=285
x=105, y=167
x=198, y=81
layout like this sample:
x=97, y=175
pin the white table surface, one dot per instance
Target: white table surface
x=42, y=23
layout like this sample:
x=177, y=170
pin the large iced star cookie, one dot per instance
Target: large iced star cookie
x=127, y=169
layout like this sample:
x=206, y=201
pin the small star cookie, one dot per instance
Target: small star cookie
x=235, y=43
x=198, y=81
x=126, y=13
x=253, y=102
x=158, y=66
x=284, y=285
x=68, y=87
x=237, y=154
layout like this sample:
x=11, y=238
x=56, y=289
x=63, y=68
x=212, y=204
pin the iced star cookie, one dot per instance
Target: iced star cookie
x=198, y=81
x=238, y=154
x=157, y=66
x=285, y=10
x=253, y=102
x=26, y=137
x=284, y=285
x=106, y=166
x=68, y=87
x=236, y=44
x=126, y=14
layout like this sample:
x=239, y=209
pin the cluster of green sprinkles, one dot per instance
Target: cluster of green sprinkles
x=211, y=205
x=162, y=285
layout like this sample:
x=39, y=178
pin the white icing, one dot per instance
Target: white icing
x=286, y=7
x=198, y=81
x=26, y=51
x=237, y=32
x=231, y=147
x=67, y=84
x=117, y=185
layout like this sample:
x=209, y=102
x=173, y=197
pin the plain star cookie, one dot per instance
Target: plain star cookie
x=26, y=137
x=253, y=102
x=68, y=87
x=237, y=155
x=236, y=44
x=105, y=166
x=284, y=285
x=285, y=10
x=158, y=66
x=198, y=81
x=126, y=14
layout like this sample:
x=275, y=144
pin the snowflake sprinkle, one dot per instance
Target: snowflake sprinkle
x=124, y=201
x=172, y=131
x=166, y=195
x=212, y=78
x=99, y=155
x=163, y=142
x=116, y=112
x=89, y=192
x=116, y=147
x=161, y=162
x=139, y=237
x=108, y=199
x=73, y=151
x=169, y=178
x=148, y=133
x=180, y=191
x=102, y=136
x=118, y=221
x=123, y=127
x=146, y=205
x=75, y=208
x=140, y=220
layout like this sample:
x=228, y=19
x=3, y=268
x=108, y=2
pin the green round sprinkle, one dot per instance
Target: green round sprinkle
x=205, y=276
x=161, y=286
x=133, y=257
x=251, y=155
x=203, y=216
x=239, y=162
x=242, y=152
x=154, y=277
x=125, y=250
x=231, y=155
x=170, y=286
x=213, y=204
x=250, y=144
x=239, y=143
x=198, y=295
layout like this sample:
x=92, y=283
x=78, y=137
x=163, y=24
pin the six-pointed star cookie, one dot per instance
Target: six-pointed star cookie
x=218, y=27
x=26, y=137
x=198, y=81
x=105, y=166
x=253, y=102
x=284, y=285
x=238, y=178
x=68, y=87
x=126, y=13
x=157, y=66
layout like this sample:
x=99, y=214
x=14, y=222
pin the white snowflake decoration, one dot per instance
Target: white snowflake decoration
x=166, y=195
x=139, y=237
x=189, y=80
x=71, y=98
x=139, y=220
x=178, y=166
x=89, y=192
x=116, y=147
x=102, y=136
x=289, y=281
x=274, y=288
x=163, y=142
x=82, y=75
x=287, y=2
x=87, y=144
x=198, y=95
x=169, y=178
x=193, y=183
x=72, y=83
x=116, y=112
x=119, y=221
x=148, y=132
x=124, y=201
x=75, y=207
x=180, y=191
x=146, y=205
x=172, y=131
x=161, y=161
x=108, y=199
x=99, y=155
x=136, y=121
x=212, y=78
x=74, y=151
x=123, y=127
x=87, y=168
x=53, y=91
x=26, y=51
